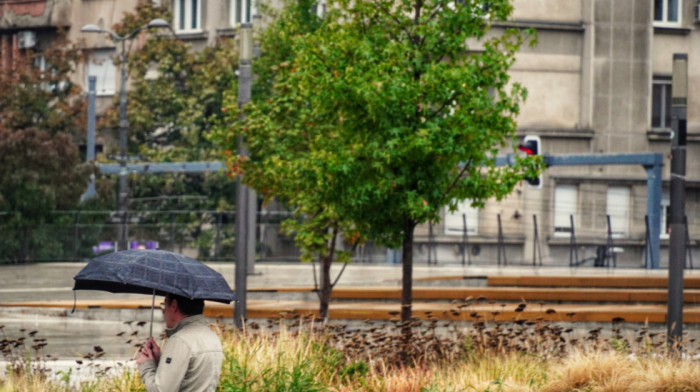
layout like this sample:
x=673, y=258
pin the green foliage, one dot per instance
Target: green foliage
x=38, y=92
x=300, y=378
x=295, y=19
x=176, y=93
x=495, y=386
x=40, y=173
x=384, y=114
x=284, y=174
x=380, y=116
x=175, y=98
x=280, y=167
x=354, y=371
x=620, y=345
x=41, y=120
x=296, y=364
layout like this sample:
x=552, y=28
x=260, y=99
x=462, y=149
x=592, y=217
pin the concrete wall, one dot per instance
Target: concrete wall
x=23, y=15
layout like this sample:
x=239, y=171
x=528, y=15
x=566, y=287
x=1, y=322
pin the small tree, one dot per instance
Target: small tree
x=281, y=166
x=384, y=116
x=175, y=98
x=38, y=91
x=41, y=120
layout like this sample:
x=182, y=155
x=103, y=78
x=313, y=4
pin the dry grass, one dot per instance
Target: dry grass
x=613, y=371
x=304, y=356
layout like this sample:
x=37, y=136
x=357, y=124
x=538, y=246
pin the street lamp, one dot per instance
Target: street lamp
x=677, y=218
x=245, y=197
x=123, y=121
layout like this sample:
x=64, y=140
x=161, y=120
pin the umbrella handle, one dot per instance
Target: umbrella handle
x=153, y=305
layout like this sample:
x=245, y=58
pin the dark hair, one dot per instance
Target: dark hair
x=189, y=307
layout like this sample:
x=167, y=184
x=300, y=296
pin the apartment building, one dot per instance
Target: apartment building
x=599, y=82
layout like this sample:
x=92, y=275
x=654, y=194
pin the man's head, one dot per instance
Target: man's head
x=177, y=308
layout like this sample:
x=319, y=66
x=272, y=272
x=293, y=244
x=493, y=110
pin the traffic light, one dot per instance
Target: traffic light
x=532, y=146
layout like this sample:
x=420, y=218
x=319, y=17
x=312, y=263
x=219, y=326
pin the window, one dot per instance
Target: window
x=319, y=8
x=454, y=220
x=661, y=103
x=188, y=16
x=667, y=12
x=101, y=65
x=618, y=208
x=565, y=205
x=43, y=67
x=242, y=11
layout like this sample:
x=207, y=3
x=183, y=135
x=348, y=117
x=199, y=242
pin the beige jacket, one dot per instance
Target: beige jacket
x=190, y=359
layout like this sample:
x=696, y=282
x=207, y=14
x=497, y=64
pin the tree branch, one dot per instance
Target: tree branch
x=337, y=278
x=444, y=105
x=454, y=183
x=388, y=13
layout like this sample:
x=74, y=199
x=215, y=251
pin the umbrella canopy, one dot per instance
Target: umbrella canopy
x=153, y=271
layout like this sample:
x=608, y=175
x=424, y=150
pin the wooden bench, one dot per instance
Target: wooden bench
x=529, y=294
x=590, y=281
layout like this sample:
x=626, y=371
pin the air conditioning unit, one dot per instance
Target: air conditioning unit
x=26, y=39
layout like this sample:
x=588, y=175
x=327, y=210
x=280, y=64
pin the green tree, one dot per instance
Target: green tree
x=319, y=231
x=388, y=112
x=175, y=98
x=38, y=92
x=40, y=174
x=41, y=120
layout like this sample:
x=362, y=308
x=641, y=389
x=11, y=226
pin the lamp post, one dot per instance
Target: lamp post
x=677, y=219
x=123, y=121
x=245, y=197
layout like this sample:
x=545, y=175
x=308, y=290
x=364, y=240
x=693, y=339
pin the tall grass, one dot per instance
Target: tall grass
x=302, y=355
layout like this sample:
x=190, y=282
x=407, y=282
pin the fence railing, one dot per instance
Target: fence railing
x=80, y=235
x=210, y=235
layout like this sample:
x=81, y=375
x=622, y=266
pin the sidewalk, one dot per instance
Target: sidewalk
x=54, y=281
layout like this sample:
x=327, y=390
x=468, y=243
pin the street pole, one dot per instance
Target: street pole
x=677, y=246
x=123, y=198
x=90, y=155
x=245, y=197
x=123, y=125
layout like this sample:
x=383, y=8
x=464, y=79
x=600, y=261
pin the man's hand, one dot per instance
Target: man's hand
x=155, y=349
x=150, y=350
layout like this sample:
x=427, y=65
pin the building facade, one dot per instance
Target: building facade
x=599, y=82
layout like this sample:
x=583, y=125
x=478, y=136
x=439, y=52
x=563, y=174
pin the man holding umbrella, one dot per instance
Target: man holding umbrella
x=191, y=356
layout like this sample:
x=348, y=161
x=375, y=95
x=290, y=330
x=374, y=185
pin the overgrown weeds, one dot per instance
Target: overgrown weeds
x=303, y=354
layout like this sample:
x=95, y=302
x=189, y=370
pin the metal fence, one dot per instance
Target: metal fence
x=79, y=235
x=210, y=236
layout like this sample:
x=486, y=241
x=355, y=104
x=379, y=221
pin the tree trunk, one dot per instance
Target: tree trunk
x=324, y=295
x=407, y=277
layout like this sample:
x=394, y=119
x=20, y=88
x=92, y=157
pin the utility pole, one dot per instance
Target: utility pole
x=677, y=246
x=123, y=199
x=245, y=197
x=90, y=155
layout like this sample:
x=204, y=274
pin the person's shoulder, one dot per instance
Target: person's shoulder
x=197, y=324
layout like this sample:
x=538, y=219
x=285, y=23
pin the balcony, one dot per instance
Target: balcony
x=22, y=14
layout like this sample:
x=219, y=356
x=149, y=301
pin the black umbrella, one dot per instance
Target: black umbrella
x=155, y=272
